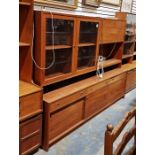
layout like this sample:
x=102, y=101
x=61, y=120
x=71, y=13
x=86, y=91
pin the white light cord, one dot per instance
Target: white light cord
x=53, y=52
x=100, y=69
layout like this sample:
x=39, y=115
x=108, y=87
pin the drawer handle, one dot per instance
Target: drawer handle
x=30, y=135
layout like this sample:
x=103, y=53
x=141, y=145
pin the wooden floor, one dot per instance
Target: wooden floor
x=88, y=139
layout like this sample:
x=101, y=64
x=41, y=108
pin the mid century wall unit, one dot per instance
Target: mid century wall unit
x=30, y=95
x=67, y=47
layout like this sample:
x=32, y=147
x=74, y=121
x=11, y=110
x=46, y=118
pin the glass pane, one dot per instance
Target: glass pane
x=86, y=57
x=62, y=61
x=88, y=32
x=62, y=34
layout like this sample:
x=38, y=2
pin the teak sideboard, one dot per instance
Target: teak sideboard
x=72, y=44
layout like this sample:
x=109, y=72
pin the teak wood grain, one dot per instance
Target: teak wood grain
x=81, y=100
x=25, y=39
x=116, y=28
x=30, y=135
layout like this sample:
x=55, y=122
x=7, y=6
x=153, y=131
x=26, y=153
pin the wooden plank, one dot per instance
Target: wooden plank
x=26, y=88
x=22, y=44
x=24, y=3
x=51, y=47
x=86, y=44
x=125, y=56
x=111, y=62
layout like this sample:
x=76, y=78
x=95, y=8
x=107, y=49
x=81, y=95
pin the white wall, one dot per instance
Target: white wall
x=104, y=10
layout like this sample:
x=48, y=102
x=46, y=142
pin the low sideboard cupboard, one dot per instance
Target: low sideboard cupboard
x=58, y=88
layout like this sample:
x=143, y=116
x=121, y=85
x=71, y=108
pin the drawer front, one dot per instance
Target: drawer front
x=113, y=31
x=30, y=126
x=96, y=101
x=67, y=100
x=30, y=105
x=30, y=134
x=30, y=144
x=131, y=80
x=116, y=90
x=65, y=119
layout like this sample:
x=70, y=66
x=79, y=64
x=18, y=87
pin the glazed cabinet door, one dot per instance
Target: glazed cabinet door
x=55, y=47
x=87, y=43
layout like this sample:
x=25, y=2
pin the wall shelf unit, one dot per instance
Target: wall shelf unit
x=30, y=95
x=130, y=39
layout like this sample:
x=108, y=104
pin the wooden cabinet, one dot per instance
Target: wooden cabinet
x=30, y=133
x=65, y=46
x=103, y=97
x=30, y=100
x=113, y=30
x=68, y=107
x=131, y=80
x=54, y=47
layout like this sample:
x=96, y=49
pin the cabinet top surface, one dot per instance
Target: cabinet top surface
x=128, y=67
x=26, y=88
x=78, y=16
x=60, y=93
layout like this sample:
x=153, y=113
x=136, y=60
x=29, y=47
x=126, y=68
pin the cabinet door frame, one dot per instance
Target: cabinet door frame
x=96, y=44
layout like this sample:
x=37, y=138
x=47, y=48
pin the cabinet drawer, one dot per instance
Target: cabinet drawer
x=30, y=126
x=96, y=101
x=66, y=101
x=30, y=144
x=30, y=105
x=131, y=80
x=30, y=134
x=113, y=31
x=65, y=118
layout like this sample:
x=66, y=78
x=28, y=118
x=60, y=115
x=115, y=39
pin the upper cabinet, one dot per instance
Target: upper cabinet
x=65, y=46
x=69, y=45
x=113, y=30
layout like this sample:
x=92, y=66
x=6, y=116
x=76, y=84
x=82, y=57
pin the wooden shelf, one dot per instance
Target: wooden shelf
x=129, y=66
x=24, y=4
x=51, y=47
x=86, y=44
x=26, y=88
x=134, y=53
x=125, y=56
x=22, y=44
x=129, y=42
x=111, y=62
